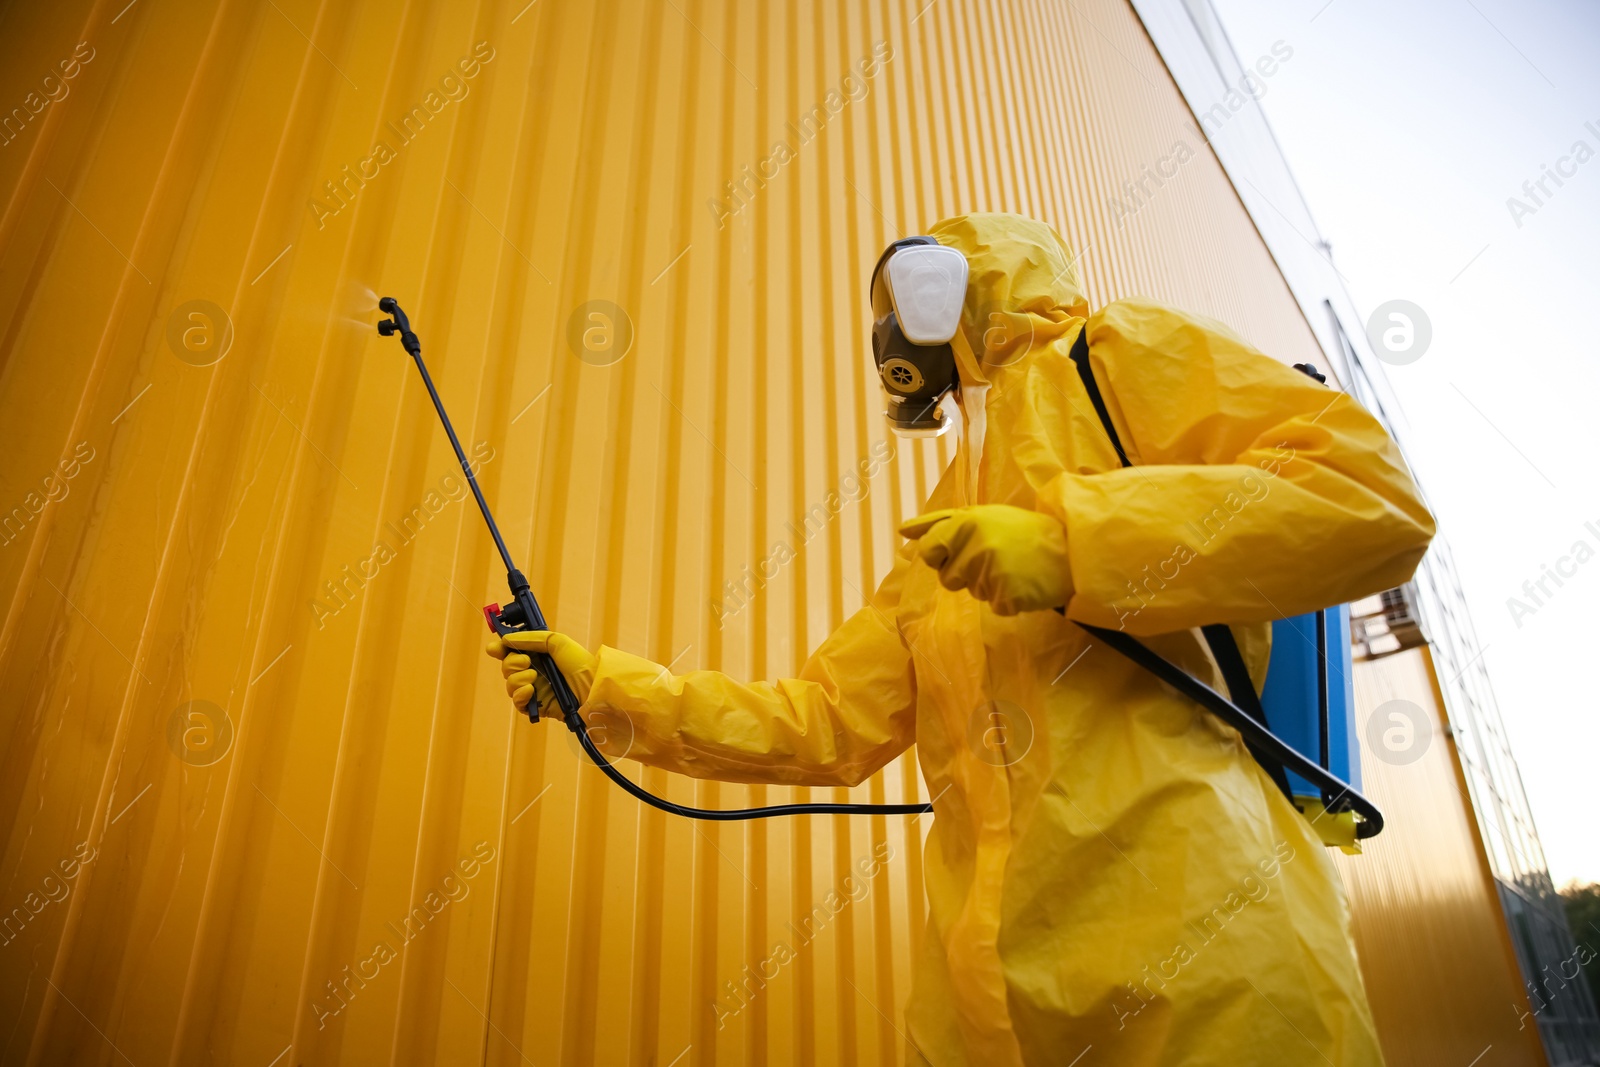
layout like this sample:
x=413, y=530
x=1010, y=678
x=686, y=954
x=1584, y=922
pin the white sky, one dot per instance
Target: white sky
x=1408, y=125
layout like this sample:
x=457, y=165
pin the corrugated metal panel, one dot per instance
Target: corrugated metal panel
x=383, y=865
x=1438, y=962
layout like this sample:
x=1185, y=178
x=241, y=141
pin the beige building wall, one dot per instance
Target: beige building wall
x=1440, y=969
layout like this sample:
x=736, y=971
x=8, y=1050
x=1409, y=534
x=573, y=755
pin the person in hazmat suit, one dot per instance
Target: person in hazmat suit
x=1127, y=877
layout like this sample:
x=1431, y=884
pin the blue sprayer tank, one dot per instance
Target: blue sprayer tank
x=1293, y=694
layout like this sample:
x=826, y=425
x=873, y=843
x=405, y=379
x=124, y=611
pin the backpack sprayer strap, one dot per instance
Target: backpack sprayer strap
x=1244, y=712
x=1225, y=650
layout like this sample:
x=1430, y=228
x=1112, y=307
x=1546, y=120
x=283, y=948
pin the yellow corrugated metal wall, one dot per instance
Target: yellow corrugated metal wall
x=1440, y=970
x=263, y=799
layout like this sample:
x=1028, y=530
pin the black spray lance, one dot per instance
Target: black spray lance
x=523, y=615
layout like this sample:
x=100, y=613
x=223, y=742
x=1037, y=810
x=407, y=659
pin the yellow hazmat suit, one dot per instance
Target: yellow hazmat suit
x=1115, y=871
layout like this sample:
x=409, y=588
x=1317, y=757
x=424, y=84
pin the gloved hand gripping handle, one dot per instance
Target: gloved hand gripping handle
x=523, y=614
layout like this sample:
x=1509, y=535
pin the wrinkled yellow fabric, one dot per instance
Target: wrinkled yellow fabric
x=1123, y=875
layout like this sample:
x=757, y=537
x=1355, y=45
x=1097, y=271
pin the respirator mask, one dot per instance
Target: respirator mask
x=918, y=288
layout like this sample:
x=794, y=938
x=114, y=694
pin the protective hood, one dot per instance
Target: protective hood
x=1022, y=297
x=1022, y=291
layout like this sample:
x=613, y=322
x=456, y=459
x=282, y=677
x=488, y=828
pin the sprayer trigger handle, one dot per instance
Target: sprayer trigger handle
x=500, y=624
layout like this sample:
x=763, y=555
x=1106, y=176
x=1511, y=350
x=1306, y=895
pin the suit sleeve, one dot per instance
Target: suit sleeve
x=1256, y=493
x=850, y=711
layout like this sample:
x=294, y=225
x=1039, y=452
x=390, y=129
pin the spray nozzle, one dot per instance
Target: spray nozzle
x=398, y=324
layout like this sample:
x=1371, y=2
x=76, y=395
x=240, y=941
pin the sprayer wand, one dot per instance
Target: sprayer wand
x=523, y=615
x=523, y=612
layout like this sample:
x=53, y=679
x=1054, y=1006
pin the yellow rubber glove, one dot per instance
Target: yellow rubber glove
x=1013, y=558
x=524, y=683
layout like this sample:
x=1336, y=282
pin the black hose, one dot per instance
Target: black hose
x=732, y=814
